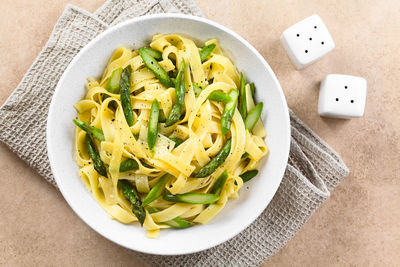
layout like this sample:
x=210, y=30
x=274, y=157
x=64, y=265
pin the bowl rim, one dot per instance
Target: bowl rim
x=286, y=119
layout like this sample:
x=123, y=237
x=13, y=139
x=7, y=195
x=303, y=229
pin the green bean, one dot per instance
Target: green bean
x=175, y=223
x=206, y=51
x=177, y=141
x=152, y=130
x=192, y=198
x=97, y=162
x=215, y=162
x=128, y=165
x=219, y=184
x=229, y=110
x=253, y=117
x=177, y=108
x=253, y=89
x=247, y=176
x=219, y=96
x=92, y=131
x=242, y=97
x=154, y=53
x=197, y=89
x=133, y=197
x=113, y=83
x=125, y=84
x=157, y=190
x=152, y=64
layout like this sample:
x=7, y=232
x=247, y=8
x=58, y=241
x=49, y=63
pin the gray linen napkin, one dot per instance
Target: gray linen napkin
x=314, y=169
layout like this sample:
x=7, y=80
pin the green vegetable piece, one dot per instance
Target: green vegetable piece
x=145, y=164
x=178, y=223
x=247, y=176
x=153, y=125
x=253, y=117
x=174, y=115
x=92, y=131
x=253, y=89
x=133, y=197
x=192, y=198
x=206, y=51
x=113, y=83
x=219, y=96
x=197, y=89
x=219, y=184
x=128, y=165
x=175, y=223
x=229, y=110
x=152, y=64
x=177, y=141
x=242, y=97
x=154, y=53
x=245, y=155
x=125, y=84
x=151, y=209
x=157, y=190
x=97, y=162
x=177, y=108
x=215, y=162
x=161, y=116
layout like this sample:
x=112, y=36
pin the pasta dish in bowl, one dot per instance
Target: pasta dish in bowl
x=171, y=133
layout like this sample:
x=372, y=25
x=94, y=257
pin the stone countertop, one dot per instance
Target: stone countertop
x=359, y=225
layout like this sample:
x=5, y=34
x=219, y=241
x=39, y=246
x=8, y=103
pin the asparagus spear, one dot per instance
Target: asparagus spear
x=154, y=53
x=125, y=84
x=177, y=141
x=247, y=176
x=253, y=116
x=206, y=51
x=178, y=223
x=180, y=97
x=92, y=131
x=229, y=110
x=219, y=184
x=157, y=190
x=133, y=197
x=152, y=64
x=219, y=96
x=153, y=125
x=175, y=223
x=113, y=83
x=215, y=162
x=97, y=162
x=192, y=198
x=242, y=97
x=127, y=165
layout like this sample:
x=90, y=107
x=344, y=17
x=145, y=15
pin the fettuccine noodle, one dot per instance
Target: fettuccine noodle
x=199, y=127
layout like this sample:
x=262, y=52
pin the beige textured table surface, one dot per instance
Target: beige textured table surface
x=359, y=225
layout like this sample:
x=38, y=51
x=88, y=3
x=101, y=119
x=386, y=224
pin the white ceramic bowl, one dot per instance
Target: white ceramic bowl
x=254, y=196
